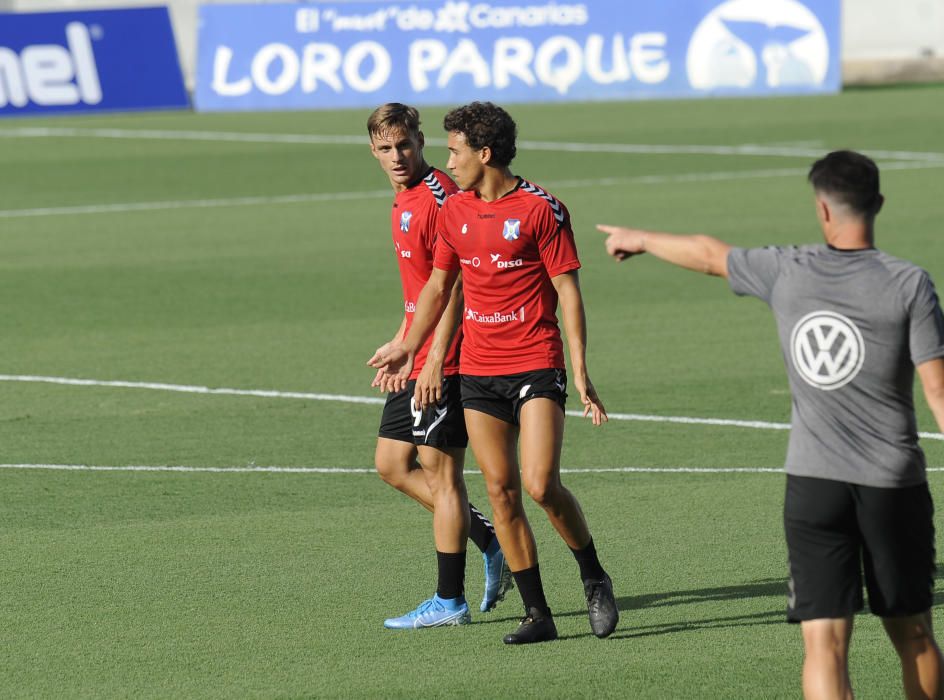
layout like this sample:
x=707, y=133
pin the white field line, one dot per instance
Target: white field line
x=770, y=150
x=345, y=470
x=194, y=204
x=913, y=160
x=717, y=176
x=385, y=194
x=190, y=389
x=376, y=400
x=382, y=194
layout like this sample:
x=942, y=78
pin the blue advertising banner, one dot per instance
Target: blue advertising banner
x=311, y=55
x=99, y=60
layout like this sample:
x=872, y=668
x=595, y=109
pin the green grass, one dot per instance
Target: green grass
x=144, y=584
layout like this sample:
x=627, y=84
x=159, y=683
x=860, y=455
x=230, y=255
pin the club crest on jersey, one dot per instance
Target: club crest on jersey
x=512, y=229
x=405, y=221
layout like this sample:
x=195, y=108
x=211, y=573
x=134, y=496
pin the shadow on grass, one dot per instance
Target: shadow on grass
x=756, y=589
x=764, y=588
x=627, y=630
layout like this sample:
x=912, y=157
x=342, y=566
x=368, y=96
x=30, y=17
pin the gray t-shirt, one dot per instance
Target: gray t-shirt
x=852, y=326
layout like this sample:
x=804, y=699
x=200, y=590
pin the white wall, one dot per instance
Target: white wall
x=892, y=29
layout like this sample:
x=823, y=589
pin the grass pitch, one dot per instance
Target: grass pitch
x=251, y=252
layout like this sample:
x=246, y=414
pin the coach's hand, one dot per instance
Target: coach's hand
x=592, y=406
x=623, y=242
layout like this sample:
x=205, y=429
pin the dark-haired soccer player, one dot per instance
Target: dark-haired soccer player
x=854, y=323
x=515, y=248
x=437, y=434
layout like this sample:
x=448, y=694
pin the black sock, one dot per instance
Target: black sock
x=451, y=574
x=481, y=531
x=589, y=563
x=531, y=589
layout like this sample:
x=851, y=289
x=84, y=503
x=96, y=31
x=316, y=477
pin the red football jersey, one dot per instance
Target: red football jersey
x=508, y=250
x=413, y=220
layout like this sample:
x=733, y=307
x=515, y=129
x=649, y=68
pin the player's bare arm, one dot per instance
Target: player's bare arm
x=699, y=253
x=429, y=382
x=931, y=374
x=397, y=358
x=575, y=326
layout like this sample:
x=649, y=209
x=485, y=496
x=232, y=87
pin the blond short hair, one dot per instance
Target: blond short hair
x=394, y=116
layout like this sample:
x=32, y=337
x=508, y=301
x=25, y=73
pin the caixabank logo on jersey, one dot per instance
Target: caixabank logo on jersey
x=88, y=61
x=451, y=51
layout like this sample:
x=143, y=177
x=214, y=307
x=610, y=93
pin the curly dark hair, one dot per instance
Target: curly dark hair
x=485, y=124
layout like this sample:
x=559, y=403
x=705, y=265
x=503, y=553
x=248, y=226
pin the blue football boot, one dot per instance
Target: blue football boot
x=435, y=612
x=498, y=578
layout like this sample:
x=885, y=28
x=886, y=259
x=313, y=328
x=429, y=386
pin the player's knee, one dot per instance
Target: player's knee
x=447, y=485
x=505, y=500
x=443, y=473
x=539, y=494
x=545, y=492
x=391, y=471
x=439, y=481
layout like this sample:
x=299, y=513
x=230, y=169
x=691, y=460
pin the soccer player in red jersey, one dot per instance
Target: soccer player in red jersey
x=436, y=435
x=513, y=243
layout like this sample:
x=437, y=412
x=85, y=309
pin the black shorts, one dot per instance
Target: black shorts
x=836, y=531
x=503, y=396
x=442, y=425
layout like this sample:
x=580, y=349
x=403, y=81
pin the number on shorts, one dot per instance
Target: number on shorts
x=417, y=414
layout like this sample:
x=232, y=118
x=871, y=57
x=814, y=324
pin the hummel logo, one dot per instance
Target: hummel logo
x=560, y=386
x=495, y=256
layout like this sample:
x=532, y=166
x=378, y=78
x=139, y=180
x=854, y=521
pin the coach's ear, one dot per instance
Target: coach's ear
x=823, y=212
x=421, y=140
x=485, y=155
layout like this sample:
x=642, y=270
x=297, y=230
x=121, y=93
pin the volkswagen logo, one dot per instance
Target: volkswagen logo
x=827, y=349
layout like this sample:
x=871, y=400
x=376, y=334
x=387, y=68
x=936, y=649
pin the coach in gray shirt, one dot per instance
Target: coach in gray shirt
x=854, y=323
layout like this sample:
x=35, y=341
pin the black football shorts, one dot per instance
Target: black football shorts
x=836, y=531
x=503, y=396
x=442, y=425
